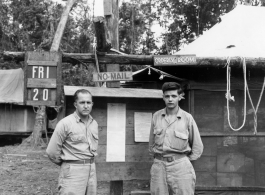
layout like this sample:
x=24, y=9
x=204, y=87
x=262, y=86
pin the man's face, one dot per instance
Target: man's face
x=83, y=104
x=171, y=98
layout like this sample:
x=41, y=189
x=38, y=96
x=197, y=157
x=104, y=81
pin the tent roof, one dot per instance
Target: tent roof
x=12, y=86
x=241, y=33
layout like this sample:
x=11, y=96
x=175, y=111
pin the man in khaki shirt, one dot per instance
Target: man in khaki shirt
x=174, y=142
x=73, y=147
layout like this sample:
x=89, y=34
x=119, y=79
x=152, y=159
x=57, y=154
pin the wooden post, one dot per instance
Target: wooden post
x=111, y=12
x=102, y=35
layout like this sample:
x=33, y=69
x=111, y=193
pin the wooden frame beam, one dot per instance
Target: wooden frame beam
x=138, y=59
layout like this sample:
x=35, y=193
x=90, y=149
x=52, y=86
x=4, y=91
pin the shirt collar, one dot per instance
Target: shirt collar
x=179, y=113
x=78, y=119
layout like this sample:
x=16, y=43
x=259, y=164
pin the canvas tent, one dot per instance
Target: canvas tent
x=11, y=88
x=15, y=117
x=239, y=34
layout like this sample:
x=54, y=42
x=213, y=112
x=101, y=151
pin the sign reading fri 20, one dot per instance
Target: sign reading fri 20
x=43, y=78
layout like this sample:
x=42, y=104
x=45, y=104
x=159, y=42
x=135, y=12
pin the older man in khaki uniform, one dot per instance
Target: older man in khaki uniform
x=73, y=147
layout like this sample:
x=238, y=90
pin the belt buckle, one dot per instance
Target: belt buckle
x=86, y=161
x=170, y=159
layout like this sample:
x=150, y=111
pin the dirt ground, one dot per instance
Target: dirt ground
x=24, y=171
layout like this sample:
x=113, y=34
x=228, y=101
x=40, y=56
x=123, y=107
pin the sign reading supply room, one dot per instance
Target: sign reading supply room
x=172, y=60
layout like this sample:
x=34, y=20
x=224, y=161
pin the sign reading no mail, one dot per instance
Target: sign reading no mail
x=112, y=76
x=172, y=60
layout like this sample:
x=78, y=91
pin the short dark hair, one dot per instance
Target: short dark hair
x=81, y=91
x=172, y=86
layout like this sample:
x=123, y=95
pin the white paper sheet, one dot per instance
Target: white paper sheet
x=142, y=125
x=116, y=127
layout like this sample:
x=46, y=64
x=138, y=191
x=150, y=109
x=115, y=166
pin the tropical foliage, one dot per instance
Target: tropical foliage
x=27, y=25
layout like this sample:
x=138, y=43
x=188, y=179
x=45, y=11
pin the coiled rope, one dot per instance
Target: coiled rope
x=246, y=90
x=228, y=74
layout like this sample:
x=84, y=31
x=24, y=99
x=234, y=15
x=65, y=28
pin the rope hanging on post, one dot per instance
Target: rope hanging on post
x=255, y=110
x=246, y=89
x=228, y=74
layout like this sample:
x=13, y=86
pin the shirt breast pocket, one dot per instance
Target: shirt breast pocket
x=158, y=136
x=179, y=141
x=76, y=138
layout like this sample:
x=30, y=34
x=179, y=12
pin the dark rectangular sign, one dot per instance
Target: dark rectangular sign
x=36, y=94
x=42, y=72
x=43, y=78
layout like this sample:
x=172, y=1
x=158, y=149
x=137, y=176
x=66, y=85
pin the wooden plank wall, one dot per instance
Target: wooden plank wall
x=229, y=158
x=232, y=161
x=16, y=118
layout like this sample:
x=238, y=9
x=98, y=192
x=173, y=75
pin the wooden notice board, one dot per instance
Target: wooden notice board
x=43, y=78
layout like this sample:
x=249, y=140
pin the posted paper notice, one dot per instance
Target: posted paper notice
x=142, y=125
x=116, y=128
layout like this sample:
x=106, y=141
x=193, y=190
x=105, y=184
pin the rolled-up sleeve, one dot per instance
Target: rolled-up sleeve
x=195, y=141
x=54, y=148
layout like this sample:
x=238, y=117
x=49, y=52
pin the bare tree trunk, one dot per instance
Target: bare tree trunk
x=35, y=139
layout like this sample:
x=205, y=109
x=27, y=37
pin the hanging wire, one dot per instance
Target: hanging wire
x=95, y=46
x=96, y=59
x=93, y=10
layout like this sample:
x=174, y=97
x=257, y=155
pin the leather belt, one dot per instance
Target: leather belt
x=85, y=161
x=169, y=159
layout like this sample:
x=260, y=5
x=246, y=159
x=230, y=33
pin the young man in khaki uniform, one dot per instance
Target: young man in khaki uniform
x=73, y=147
x=174, y=142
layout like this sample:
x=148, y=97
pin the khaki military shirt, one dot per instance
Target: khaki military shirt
x=72, y=139
x=178, y=136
